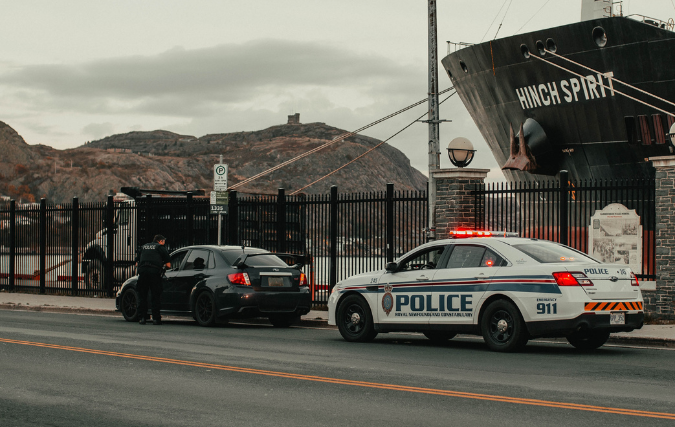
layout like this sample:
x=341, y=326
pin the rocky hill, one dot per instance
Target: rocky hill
x=165, y=160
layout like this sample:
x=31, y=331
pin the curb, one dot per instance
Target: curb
x=81, y=310
x=643, y=341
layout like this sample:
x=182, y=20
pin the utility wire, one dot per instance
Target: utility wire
x=336, y=139
x=493, y=21
x=503, y=18
x=369, y=151
x=535, y=14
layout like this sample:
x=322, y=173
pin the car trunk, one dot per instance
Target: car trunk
x=276, y=287
x=610, y=282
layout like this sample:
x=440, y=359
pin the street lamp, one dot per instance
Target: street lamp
x=460, y=152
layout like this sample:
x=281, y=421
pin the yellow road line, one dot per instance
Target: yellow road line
x=438, y=392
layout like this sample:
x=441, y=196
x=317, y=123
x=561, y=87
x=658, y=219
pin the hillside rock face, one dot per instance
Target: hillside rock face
x=165, y=160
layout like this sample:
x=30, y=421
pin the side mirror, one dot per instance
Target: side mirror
x=391, y=267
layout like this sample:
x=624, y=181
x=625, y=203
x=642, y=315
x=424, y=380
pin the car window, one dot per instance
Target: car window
x=427, y=259
x=547, y=252
x=197, y=260
x=491, y=259
x=265, y=261
x=466, y=256
x=177, y=259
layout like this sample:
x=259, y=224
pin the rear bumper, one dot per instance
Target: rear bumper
x=248, y=304
x=586, y=321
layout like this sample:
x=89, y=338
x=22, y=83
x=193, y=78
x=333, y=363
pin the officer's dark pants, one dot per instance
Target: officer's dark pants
x=149, y=279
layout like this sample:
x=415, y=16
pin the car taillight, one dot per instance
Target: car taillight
x=565, y=278
x=303, y=279
x=239, y=279
x=634, y=280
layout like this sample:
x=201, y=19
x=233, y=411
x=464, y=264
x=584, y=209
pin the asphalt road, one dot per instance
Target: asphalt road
x=68, y=369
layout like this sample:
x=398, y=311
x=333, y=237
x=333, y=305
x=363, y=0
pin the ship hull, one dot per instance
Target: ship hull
x=591, y=131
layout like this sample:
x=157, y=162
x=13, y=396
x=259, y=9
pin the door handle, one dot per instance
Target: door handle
x=481, y=276
x=422, y=279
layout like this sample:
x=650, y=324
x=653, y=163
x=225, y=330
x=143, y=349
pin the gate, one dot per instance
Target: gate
x=561, y=210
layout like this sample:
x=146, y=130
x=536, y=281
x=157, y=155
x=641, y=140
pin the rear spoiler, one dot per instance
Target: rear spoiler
x=240, y=262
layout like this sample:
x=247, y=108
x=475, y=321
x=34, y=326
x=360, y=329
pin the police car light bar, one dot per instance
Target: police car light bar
x=458, y=234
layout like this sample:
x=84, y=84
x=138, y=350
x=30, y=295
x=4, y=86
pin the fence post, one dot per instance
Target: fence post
x=110, y=239
x=332, y=278
x=281, y=221
x=12, y=243
x=43, y=244
x=75, y=224
x=190, y=222
x=232, y=219
x=562, y=216
x=389, y=224
x=148, y=220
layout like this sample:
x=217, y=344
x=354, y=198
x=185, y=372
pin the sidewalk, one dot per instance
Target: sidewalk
x=659, y=335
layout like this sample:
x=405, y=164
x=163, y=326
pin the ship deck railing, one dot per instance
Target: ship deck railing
x=666, y=25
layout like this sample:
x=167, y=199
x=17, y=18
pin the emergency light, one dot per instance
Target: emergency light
x=459, y=234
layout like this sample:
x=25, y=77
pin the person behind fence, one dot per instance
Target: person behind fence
x=150, y=259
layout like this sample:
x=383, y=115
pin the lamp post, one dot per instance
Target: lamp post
x=461, y=152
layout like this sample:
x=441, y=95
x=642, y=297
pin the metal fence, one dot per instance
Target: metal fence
x=561, y=210
x=64, y=249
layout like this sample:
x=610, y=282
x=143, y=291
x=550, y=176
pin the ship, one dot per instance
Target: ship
x=594, y=98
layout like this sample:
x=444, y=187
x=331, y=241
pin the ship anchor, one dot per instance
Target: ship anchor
x=520, y=158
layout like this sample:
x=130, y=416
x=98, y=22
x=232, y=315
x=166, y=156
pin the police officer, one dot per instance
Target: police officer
x=150, y=259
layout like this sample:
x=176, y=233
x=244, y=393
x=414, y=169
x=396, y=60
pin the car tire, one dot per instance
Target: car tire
x=503, y=327
x=129, y=305
x=588, y=340
x=94, y=275
x=205, y=309
x=439, y=336
x=355, y=321
x=283, y=320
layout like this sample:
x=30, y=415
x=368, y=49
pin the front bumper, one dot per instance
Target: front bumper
x=585, y=321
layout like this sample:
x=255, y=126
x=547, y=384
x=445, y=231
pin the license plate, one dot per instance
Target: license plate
x=275, y=281
x=617, y=318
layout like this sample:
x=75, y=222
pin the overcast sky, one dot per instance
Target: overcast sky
x=73, y=71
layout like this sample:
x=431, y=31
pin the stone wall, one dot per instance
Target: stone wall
x=455, y=206
x=660, y=303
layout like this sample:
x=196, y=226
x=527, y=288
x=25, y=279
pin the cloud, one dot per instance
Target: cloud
x=98, y=130
x=196, y=82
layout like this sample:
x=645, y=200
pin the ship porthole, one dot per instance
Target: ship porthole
x=551, y=46
x=449, y=73
x=463, y=65
x=600, y=36
x=525, y=51
x=540, y=47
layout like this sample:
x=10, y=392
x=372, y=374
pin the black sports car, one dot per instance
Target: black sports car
x=218, y=283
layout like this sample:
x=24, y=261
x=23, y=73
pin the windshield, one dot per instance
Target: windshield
x=548, y=252
x=265, y=260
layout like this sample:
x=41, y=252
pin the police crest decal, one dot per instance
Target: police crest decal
x=387, y=299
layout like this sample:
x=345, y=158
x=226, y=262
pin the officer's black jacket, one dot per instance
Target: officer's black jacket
x=152, y=255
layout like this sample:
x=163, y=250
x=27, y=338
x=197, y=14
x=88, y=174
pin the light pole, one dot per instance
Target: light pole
x=434, y=144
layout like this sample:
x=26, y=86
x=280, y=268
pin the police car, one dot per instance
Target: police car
x=506, y=288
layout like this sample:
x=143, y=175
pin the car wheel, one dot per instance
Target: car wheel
x=439, y=336
x=503, y=328
x=355, y=320
x=93, y=276
x=588, y=340
x=129, y=305
x=283, y=320
x=205, y=309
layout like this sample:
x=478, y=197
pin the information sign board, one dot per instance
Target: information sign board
x=615, y=236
